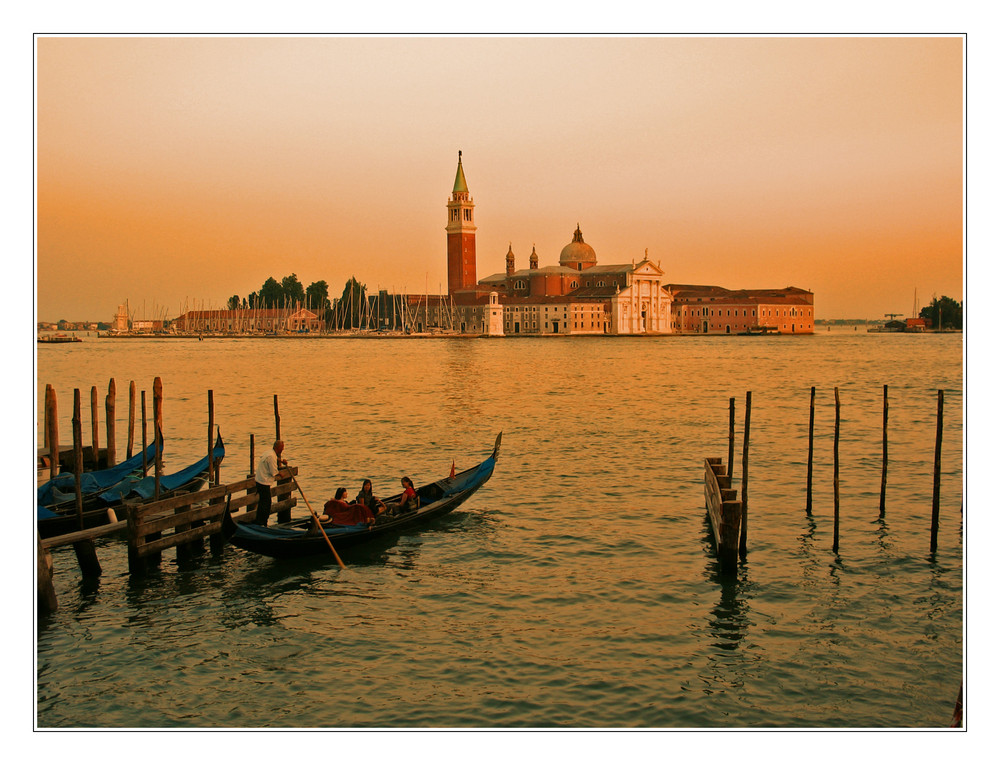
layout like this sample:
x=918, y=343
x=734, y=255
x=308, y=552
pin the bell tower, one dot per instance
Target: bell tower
x=461, y=235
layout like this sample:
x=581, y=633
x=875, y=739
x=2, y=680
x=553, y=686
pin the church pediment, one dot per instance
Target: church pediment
x=647, y=268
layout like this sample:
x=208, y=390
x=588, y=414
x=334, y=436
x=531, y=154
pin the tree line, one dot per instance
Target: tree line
x=289, y=293
x=943, y=313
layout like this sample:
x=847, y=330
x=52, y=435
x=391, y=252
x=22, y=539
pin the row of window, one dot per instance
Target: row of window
x=705, y=311
x=597, y=326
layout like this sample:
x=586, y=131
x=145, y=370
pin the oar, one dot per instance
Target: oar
x=321, y=530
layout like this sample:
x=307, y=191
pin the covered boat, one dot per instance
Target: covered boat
x=298, y=538
x=104, y=507
x=62, y=488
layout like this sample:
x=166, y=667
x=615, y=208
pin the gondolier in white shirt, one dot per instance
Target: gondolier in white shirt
x=265, y=477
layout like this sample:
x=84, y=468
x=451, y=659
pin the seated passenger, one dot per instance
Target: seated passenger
x=338, y=512
x=408, y=500
x=365, y=497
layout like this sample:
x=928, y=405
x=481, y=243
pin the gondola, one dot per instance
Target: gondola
x=62, y=488
x=297, y=539
x=108, y=506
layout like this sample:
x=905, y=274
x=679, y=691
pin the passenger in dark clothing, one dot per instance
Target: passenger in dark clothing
x=365, y=497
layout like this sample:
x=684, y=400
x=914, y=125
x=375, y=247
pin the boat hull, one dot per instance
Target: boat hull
x=298, y=540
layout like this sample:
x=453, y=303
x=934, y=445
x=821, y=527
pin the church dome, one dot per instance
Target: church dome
x=577, y=254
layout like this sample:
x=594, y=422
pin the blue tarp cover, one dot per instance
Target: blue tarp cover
x=63, y=486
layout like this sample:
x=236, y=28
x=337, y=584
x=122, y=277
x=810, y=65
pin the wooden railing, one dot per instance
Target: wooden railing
x=724, y=511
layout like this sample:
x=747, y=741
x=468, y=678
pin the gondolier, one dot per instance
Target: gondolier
x=265, y=477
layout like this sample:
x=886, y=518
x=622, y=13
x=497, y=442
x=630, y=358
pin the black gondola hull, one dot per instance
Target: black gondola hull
x=296, y=540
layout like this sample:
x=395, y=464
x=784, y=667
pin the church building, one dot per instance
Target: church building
x=581, y=297
x=575, y=297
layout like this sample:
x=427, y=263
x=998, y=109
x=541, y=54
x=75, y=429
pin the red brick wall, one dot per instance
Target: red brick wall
x=461, y=261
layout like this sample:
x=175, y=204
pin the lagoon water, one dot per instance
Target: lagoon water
x=578, y=587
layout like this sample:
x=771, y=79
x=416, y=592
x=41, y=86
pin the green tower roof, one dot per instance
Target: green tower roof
x=460, y=184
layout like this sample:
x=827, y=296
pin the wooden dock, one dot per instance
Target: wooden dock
x=725, y=512
x=181, y=522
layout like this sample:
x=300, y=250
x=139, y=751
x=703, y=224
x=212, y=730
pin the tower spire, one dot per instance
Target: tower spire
x=461, y=187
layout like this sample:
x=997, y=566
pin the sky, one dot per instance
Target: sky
x=174, y=172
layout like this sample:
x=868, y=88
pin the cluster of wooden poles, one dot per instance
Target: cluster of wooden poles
x=179, y=507
x=936, y=496
x=936, y=500
x=85, y=551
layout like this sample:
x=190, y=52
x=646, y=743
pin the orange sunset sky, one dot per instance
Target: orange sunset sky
x=175, y=172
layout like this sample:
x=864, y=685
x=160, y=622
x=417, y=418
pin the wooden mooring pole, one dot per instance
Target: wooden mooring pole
x=211, y=441
x=158, y=432
x=94, y=428
x=809, y=465
x=47, y=601
x=836, y=472
x=746, y=473
x=86, y=554
x=283, y=486
x=732, y=435
x=885, y=449
x=131, y=419
x=277, y=420
x=936, y=503
x=52, y=426
x=109, y=411
x=145, y=438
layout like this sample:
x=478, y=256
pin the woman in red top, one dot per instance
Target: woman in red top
x=407, y=501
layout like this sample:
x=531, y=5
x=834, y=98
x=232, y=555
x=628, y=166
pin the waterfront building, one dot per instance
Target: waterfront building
x=580, y=297
x=248, y=321
x=700, y=309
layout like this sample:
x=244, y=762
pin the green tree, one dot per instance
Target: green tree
x=945, y=313
x=293, y=291
x=270, y=295
x=348, y=307
x=234, y=303
x=318, y=296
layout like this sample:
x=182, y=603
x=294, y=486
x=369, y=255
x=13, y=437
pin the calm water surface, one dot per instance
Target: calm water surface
x=578, y=587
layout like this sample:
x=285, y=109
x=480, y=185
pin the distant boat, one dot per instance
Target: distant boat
x=59, y=338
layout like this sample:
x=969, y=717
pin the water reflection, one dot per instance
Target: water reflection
x=882, y=535
x=729, y=621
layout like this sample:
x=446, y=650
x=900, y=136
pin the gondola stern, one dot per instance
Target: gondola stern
x=229, y=526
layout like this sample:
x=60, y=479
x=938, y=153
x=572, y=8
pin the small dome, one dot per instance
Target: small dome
x=577, y=252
